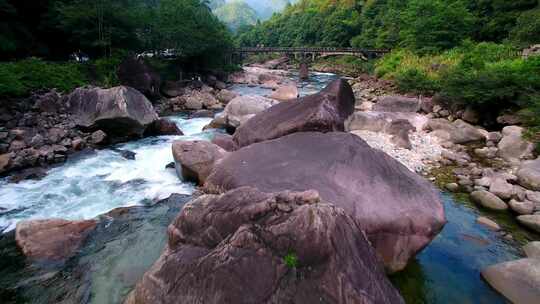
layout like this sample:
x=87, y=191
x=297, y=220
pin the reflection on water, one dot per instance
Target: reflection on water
x=448, y=270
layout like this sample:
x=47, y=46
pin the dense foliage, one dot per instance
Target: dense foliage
x=420, y=25
x=55, y=28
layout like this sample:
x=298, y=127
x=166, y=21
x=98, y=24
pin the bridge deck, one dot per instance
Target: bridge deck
x=310, y=50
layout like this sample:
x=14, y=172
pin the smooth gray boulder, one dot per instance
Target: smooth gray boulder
x=532, y=250
x=397, y=104
x=241, y=109
x=529, y=174
x=530, y=221
x=513, y=147
x=521, y=208
x=488, y=200
x=246, y=246
x=457, y=132
x=518, y=281
x=400, y=211
x=122, y=112
x=381, y=121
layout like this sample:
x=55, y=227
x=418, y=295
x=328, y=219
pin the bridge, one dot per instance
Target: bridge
x=313, y=52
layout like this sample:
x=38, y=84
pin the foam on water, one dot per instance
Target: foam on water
x=94, y=184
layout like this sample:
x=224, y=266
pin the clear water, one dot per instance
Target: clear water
x=94, y=184
x=316, y=82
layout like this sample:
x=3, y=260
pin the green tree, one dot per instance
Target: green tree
x=527, y=30
x=435, y=25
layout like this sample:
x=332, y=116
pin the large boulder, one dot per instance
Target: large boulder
x=285, y=93
x=397, y=104
x=51, y=239
x=135, y=73
x=225, y=141
x=196, y=159
x=530, y=221
x=382, y=121
x=529, y=174
x=488, y=200
x=225, y=96
x=512, y=146
x=246, y=246
x=322, y=112
x=518, y=281
x=241, y=109
x=457, y=132
x=122, y=112
x=399, y=210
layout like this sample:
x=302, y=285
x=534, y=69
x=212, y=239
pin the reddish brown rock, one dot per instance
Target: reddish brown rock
x=51, y=239
x=196, y=159
x=232, y=249
x=400, y=211
x=163, y=126
x=322, y=112
x=225, y=141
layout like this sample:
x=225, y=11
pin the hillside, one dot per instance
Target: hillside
x=236, y=14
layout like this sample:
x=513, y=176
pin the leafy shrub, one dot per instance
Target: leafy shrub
x=106, y=71
x=417, y=81
x=291, y=260
x=22, y=77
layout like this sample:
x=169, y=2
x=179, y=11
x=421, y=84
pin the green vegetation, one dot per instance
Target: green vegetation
x=291, y=260
x=236, y=14
x=19, y=78
x=346, y=65
x=107, y=31
x=467, y=51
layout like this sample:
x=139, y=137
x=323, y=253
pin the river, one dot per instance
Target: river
x=127, y=242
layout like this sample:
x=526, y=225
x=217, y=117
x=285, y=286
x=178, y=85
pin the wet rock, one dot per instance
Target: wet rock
x=55, y=135
x=5, y=162
x=397, y=104
x=296, y=245
x=224, y=141
x=530, y=221
x=52, y=239
x=49, y=102
x=30, y=173
x=196, y=159
x=488, y=200
x=225, y=96
x=241, y=109
x=518, y=281
x=202, y=114
x=129, y=155
x=17, y=145
x=529, y=174
x=512, y=146
x=522, y=208
x=532, y=250
x=490, y=224
x=285, y=93
x=457, y=132
x=163, y=126
x=323, y=112
x=399, y=210
x=135, y=73
x=121, y=112
x=501, y=188
x=77, y=144
x=98, y=137
x=170, y=165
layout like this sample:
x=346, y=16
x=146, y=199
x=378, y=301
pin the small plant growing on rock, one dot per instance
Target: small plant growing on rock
x=291, y=260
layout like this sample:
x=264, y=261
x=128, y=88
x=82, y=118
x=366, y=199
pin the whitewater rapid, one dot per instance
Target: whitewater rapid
x=94, y=184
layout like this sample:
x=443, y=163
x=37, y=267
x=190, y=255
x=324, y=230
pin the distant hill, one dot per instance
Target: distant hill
x=214, y=4
x=236, y=13
x=266, y=8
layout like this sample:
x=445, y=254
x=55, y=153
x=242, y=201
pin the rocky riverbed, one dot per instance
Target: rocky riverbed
x=311, y=173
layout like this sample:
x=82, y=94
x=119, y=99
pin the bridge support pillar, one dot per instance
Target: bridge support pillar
x=303, y=71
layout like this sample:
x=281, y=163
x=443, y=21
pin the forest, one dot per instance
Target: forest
x=37, y=38
x=465, y=51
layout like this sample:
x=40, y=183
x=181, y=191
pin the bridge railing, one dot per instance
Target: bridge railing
x=308, y=50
